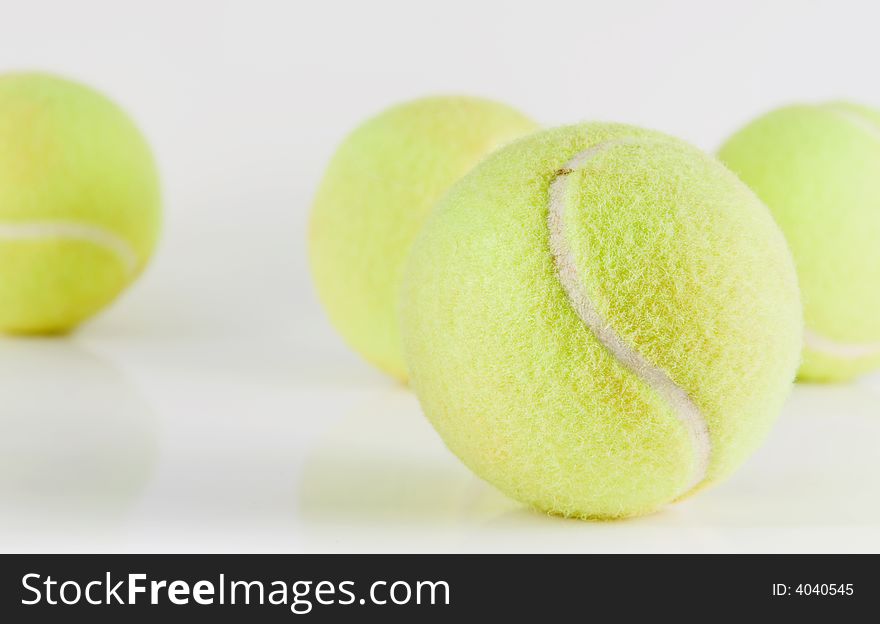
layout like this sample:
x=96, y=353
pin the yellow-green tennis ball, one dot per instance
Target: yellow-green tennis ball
x=818, y=169
x=379, y=187
x=601, y=319
x=79, y=203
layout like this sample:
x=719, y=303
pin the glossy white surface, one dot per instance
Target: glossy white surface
x=213, y=409
x=242, y=445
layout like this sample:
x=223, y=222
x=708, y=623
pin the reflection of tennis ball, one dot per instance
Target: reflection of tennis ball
x=377, y=191
x=78, y=438
x=79, y=203
x=818, y=169
x=600, y=319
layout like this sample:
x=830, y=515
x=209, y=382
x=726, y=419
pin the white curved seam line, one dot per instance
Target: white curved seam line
x=855, y=118
x=684, y=408
x=843, y=350
x=63, y=230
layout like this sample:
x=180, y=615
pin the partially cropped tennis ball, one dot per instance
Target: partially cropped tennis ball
x=379, y=187
x=79, y=203
x=601, y=319
x=818, y=169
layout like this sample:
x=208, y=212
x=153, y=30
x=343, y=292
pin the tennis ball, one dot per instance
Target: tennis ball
x=379, y=187
x=818, y=169
x=79, y=203
x=600, y=319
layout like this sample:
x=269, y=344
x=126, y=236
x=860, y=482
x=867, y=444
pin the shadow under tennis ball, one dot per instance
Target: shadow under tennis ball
x=384, y=464
x=820, y=466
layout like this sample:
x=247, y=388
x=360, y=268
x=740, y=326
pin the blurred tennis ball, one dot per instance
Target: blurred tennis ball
x=377, y=191
x=79, y=203
x=818, y=169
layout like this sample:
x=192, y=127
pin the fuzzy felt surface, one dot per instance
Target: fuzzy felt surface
x=79, y=202
x=377, y=191
x=679, y=259
x=818, y=170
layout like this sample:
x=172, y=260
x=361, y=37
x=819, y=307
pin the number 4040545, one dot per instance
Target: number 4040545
x=813, y=589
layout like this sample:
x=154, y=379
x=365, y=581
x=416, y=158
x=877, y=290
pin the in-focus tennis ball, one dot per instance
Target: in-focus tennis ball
x=79, y=203
x=600, y=319
x=818, y=169
x=379, y=187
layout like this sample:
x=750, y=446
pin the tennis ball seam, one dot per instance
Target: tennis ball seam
x=72, y=231
x=842, y=350
x=814, y=340
x=853, y=117
x=684, y=408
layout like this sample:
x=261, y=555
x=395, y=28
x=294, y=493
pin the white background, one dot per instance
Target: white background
x=213, y=408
